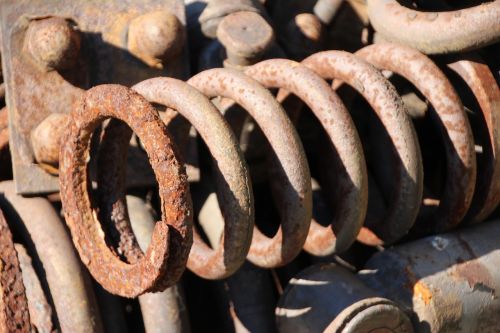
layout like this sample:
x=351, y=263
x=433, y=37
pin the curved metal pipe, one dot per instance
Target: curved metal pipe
x=69, y=285
x=437, y=32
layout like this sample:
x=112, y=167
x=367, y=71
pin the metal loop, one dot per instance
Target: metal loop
x=165, y=259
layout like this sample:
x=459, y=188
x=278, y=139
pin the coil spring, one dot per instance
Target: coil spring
x=163, y=262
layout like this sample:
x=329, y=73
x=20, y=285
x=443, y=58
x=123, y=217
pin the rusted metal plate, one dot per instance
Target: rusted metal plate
x=99, y=56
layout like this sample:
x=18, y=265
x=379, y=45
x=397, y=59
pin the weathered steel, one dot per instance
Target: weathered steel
x=38, y=86
x=165, y=311
x=14, y=312
x=437, y=32
x=449, y=114
x=39, y=308
x=349, y=178
x=405, y=199
x=481, y=81
x=329, y=298
x=232, y=177
x=69, y=285
x=449, y=281
x=326, y=10
x=289, y=165
x=164, y=261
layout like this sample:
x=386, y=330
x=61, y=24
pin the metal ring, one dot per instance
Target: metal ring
x=351, y=184
x=165, y=259
x=290, y=165
x=387, y=104
x=233, y=180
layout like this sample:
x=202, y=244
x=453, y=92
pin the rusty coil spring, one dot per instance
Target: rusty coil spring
x=290, y=177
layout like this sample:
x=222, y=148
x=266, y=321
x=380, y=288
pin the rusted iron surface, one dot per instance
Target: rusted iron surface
x=14, y=312
x=481, y=81
x=303, y=36
x=69, y=285
x=449, y=114
x=329, y=298
x=232, y=176
x=326, y=10
x=437, y=32
x=165, y=311
x=348, y=175
x=404, y=201
x=164, y=261
x=39, y=308
x=4, y=129
x=36, y=35
x=289, y=165
x=449, y=281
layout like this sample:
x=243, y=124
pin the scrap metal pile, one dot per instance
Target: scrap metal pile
x=250, y=166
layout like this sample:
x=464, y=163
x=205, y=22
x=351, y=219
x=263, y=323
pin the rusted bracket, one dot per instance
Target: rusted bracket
x=52, y=51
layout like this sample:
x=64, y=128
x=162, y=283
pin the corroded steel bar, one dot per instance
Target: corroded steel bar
x=70, y=289
x=387, y=104
x=451, y=119
x=290, y=166
x=351, y=184
x=450, y=281
x=165, y=260
x=232, y=176
x=39, y=308
x=328, y=298
x=481, y=81
x=14, y=312
x=437, y=32
x=4, y=129
x=165, y=311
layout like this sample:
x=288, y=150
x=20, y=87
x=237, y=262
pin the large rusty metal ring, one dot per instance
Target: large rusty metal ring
x=233, y=180
x=165, y=259
x=452, y=121
x=382, y=96
x=351, y=182
x=289, y=163
x=14, y=313
x=482, y=83
x=437, y=32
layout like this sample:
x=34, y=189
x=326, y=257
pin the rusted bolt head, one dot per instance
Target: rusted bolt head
x=46, y=140
x=246, y=36
x=303, y=36
x=53, y=43
x=155, y=37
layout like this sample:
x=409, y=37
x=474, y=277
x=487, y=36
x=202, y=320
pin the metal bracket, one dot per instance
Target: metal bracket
x=34, y=92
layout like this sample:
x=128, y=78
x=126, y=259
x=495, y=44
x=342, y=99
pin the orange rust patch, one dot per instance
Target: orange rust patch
x=422, y=291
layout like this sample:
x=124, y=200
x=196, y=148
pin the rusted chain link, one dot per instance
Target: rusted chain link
x=289, y=167
x=350, y=181
x=448, y=112
x=437, y=32
x=165, y=260
x=405, y=200
x=232, y=177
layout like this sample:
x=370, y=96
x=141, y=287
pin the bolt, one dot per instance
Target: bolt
x=53, y=43
x=155, y=37
x=303, y=36
x=246, y=37
x=46, y=139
